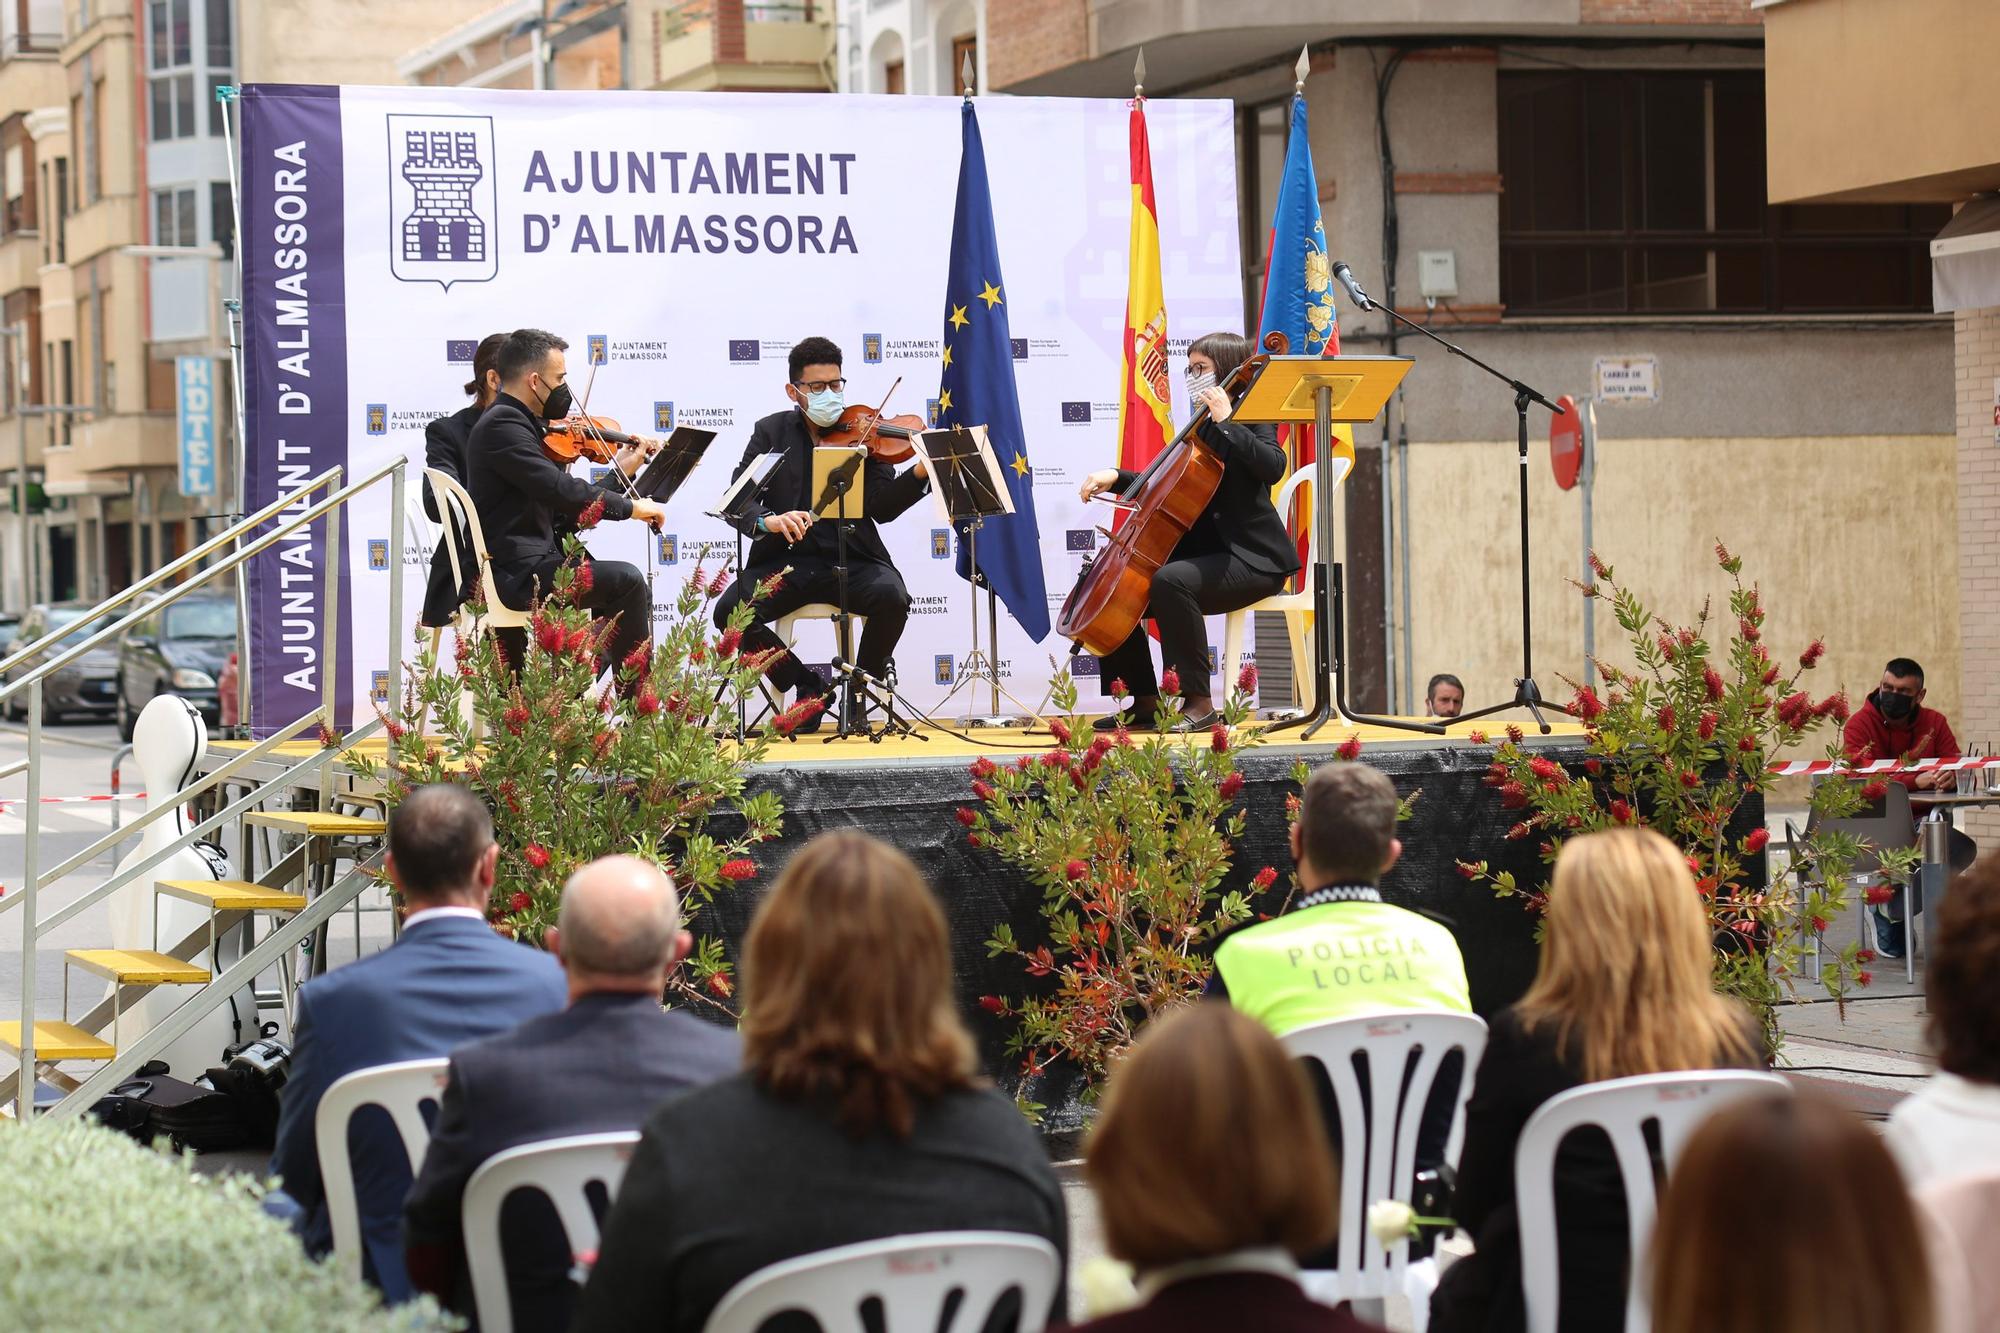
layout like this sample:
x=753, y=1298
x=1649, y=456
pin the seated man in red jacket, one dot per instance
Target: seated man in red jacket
x=1892, y=723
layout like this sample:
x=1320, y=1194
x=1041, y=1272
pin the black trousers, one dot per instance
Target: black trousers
x=1184, y=591
x=617, y=588
x=874, y=591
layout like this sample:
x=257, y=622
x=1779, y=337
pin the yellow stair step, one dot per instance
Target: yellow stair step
x=138, y=967
x=232, y=895
x=317, y=823
x=58, y=1041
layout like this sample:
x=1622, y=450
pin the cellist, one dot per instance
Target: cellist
x=1237, y=552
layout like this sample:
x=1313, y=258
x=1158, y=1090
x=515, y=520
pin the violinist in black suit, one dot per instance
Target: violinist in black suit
x=787, y=533
x=1237, y=552
x=522, y=495
x=444, y=450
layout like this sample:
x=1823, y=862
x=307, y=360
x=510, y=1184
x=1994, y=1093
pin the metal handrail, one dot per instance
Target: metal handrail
x=242, y=554
x=215, y=543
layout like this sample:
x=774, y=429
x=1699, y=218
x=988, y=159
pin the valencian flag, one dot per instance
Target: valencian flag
x=977, y=388
x=1298, y=297
x=1144, y=420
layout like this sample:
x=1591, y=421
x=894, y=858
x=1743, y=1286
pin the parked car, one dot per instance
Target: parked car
x=87, y=686
x=179, y=649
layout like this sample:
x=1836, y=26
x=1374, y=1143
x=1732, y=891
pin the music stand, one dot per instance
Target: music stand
x=745, y=491
x=673, y=464
x=968, y=488
x=1321, y=390
x=839, y=483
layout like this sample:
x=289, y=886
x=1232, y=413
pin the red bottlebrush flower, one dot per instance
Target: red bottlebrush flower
x=1814, y=651
x=769, y=587
x=328, y=737
x=983, y=767
x=1598, y=567
x=549, y=637
x=1756, y=841
x=1706, y=727
x=1819, y=925
x=1594, y=767
x=582, y=581
x=1748, y=628
x=1513, y=796
x=673, y=705
x=648, y=703
x=1712, y=679
x=1170, y=682
x=1100, y=746
x=1877, y=894
x=993, y=1004
x=1770, y=676
x=719, y=582
x=1350, y=748
x=1264, y=879
x=699, y=653
x=726, y=646
x=601, y=744
x=1476, y=736
x=1587, y=705
x=1246, y=679
x=1875, y=790
x=1118, y=690
x=1864, y=956
x=1621, y=813
x=1514, y=733
x=1667, y=647
x=1705, y=886
x=1218, y=738
x=719, y=984
x=1864, y=978
x=1722, y=556
x=592, y=515
x=967, y=816
x=1060, y=730
x=1518, y=832
x=536, y=855
x=1745, y=744
x=1230, y=786
x=515, y=718
x=982, y=791
x=1690, y=779
x=1075, y=870
x=1795, y=710
x=1468, y=870
x=1055, y=759
x=1694, y=864
x=520, y=902
x=739, y=868
x=1022, y=763
x=799, y=714
x=972, y=840
x=1665, y=717
x=640, y=658
x=1834, y=706
x=1544, y=768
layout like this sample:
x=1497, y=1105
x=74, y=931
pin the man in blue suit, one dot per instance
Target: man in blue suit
x=448, y=980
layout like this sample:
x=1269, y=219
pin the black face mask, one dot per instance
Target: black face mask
x=1894, y=706
x=557, y=405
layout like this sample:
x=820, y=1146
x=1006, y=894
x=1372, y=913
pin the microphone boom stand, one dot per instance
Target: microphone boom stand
x=1526, y=693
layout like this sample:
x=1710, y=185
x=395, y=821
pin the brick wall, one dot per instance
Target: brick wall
x=1978, y=368
x=1029, y=37
x=1670, y=11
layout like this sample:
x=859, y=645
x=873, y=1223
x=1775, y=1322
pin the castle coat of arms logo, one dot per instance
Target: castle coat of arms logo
x=444, y=213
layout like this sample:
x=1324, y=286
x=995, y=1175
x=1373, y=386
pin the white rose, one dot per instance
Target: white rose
x=1391, y=1221
x=1107, y=1287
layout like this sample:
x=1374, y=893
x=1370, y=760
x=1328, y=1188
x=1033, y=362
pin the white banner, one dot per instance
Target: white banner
x=684, y=242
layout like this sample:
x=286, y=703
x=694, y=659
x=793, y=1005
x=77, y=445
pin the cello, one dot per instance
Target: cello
x=1110, y=596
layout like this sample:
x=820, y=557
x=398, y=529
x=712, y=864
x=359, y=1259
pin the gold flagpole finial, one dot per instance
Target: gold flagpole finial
x=1303, y=68
x=1139, y=74
x=965, y=73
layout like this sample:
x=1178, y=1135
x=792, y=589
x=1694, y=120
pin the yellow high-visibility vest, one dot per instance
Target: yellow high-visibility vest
x=1342, y=960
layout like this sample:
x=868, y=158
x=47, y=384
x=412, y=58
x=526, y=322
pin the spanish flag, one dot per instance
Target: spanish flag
x=1144, y=421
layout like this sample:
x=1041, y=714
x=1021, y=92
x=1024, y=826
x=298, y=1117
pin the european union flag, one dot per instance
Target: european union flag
x=977, y=388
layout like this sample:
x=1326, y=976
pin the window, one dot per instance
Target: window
x=961, y=47
x=14, y=214
x=221, y=49
x=173, y=217
x=1631, y=191
x=170, y=62
x=61, y=206
x=221, y=219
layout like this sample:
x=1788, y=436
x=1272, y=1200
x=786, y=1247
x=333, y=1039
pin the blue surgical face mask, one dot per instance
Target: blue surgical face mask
x=824, y=408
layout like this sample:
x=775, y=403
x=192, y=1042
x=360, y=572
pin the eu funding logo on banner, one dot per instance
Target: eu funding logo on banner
x=941, y=669
x=461, y=351
x=443, y=208
x=1080, y=539
x=1019, y=347
x=670, y=549
x=743, y=349
x=871, y=348
x=663, y=416
x=194, y=401
x=940, y=543
x=378, y=418
x=378, y=553
x=598, y=347
x=1083, y=664
x=1075, y=413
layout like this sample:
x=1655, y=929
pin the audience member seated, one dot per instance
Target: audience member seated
x=1212, y=1218
x=1622, y=988
x=1444, y=696
x=602, y=1064
x=858, y=1116
x=1786, y=1215
x=1951, y=1127
x=1892, y=723
x=446, y=981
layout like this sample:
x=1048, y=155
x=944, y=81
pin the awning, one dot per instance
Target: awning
x=1965, y=258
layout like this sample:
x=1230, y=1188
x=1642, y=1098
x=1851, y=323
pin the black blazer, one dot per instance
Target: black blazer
x=1241, y=520
x=1261, y=1301
x=602, y=1064
x=888, y=494
x=444, y=450
x=520, y=494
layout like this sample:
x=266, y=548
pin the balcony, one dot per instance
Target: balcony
x=727, y=44
x=20, y=261
x=105, y=225
x=30, y=80
x=115, y=444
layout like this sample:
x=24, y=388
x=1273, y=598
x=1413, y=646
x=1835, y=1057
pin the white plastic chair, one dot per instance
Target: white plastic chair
x=1295, y=606
x=912, y=1277
x=786, y=628
x=401, y=1090
x=1621, y=1107
x=562, y=1169
x=454, y=499
x=1366, y=1270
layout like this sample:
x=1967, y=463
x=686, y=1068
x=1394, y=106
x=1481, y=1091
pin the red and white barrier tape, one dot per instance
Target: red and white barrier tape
x=6, y=801
x=1880, y=766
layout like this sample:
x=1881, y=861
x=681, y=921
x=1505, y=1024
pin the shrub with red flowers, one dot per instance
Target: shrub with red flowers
x=572, y=772
x=1676, y=745
x=1130, y=839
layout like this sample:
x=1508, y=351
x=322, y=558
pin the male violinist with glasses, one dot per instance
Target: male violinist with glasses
x=785, y=532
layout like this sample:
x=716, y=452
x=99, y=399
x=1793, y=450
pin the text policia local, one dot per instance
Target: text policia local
x=606, y=173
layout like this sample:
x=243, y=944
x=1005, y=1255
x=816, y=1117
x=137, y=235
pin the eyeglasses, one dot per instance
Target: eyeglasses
x=818, y=386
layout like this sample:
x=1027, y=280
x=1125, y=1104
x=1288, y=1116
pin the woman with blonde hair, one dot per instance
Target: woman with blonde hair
x=858, y=1114
x=1838, y=1246
x=1214, y=1175
x=1623, y=987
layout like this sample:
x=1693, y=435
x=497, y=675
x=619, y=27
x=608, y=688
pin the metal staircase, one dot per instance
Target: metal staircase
x=293, y=898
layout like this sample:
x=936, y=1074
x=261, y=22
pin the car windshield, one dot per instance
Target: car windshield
x=202, y=620
x=60, y=616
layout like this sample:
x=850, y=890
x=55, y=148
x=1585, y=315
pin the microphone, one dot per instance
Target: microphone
x=843, y=667
x=1345, y=277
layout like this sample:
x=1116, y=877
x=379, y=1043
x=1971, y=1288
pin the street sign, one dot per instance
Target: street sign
x=194, y=380
x=1628, y=379
x=1566, y=442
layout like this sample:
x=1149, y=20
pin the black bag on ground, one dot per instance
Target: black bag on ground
x=192, y=1115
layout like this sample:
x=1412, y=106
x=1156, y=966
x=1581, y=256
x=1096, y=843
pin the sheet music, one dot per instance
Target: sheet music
x=961, y=459
x=748, y=483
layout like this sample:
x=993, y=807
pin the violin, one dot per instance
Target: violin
x=595, y=438
x=886, y=438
